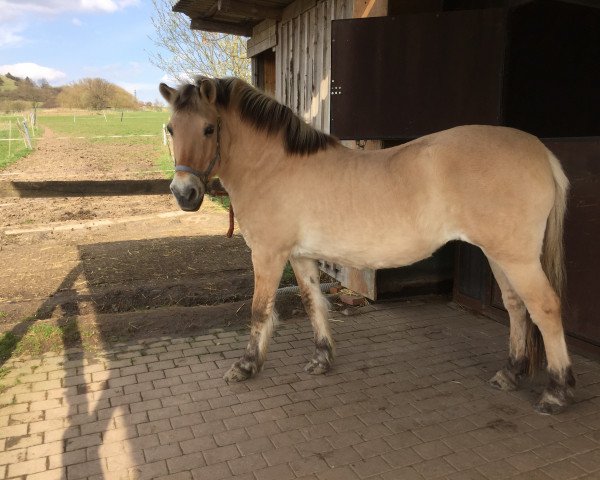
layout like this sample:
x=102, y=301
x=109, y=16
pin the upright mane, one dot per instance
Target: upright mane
x=263, y=113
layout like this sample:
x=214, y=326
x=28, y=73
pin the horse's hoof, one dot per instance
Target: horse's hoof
x=545, y=407
x=315, y=367
x=239, y=372
x=503, y=381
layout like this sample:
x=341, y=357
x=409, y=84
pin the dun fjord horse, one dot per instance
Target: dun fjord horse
x=495, y=187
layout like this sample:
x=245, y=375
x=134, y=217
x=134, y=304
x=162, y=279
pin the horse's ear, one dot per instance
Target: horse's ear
x=208, y=90
x=167, y=92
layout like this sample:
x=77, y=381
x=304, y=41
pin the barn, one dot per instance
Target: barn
x=378, y=73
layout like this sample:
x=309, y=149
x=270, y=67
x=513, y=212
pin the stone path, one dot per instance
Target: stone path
x=407, y=399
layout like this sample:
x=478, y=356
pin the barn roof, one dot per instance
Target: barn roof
x=238, y=17
x=230, y=16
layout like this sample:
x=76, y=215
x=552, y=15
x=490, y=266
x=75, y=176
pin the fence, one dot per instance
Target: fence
x=16, y=137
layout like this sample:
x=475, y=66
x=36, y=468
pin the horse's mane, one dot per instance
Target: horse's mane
x=262, y=112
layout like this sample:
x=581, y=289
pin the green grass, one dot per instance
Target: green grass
x=40, y=338
x=288, y=277
x=8, y=343
x=165, y=162
x=94, y=124
x=45, y=336
x=96, y=128
x=17, y=146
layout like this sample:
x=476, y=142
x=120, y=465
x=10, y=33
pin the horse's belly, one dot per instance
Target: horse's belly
x=375, y=253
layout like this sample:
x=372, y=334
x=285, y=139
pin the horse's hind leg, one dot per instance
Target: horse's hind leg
x=267, y=273
x=532, y=285
x=516, y=367
x=316, y=306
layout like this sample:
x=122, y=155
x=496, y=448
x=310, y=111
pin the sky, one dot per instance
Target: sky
x=66, y=40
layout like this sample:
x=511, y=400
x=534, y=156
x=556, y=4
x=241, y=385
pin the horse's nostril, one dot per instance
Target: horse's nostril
x=193, y=194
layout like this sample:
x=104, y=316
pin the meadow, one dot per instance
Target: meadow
x=16, y=148
x=116, y=127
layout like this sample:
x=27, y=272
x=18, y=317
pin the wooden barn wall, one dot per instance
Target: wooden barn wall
x=303, y=57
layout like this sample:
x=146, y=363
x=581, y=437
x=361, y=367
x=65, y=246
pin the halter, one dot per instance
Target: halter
x=203, y=176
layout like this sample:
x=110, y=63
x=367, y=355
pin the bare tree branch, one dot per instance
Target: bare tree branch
x=186, y=52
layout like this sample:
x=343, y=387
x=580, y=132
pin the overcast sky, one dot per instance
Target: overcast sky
x=65, y=40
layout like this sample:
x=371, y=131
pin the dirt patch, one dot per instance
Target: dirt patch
x=121, y=266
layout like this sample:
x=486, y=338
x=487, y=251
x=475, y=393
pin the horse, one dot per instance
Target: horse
x=495, y=187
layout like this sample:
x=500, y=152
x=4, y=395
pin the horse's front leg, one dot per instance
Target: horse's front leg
x=317, y=309
x=267, y=274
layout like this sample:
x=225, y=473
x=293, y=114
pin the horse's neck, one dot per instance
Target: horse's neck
x=247, y=156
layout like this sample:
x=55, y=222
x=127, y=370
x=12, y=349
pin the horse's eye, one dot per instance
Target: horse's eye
x=170, y=130
x=209, y=130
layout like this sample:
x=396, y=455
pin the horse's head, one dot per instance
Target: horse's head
x=194, y=126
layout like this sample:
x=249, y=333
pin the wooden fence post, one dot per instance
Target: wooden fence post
x=167, y=141
x=9, y=136
x=26, y=135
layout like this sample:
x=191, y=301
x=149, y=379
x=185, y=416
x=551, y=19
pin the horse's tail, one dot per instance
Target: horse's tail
x=553, y=253
x=553, y=261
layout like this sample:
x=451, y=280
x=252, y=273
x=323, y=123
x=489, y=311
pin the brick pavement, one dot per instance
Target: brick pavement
x=407, y=399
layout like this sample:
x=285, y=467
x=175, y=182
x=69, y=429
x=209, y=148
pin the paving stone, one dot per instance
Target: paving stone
x=407, y=399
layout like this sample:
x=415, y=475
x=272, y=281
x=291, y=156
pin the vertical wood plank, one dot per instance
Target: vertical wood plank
x=297, y=62
x=290, y=65
x=330, y=11
x=282, y=59
x=307, y=66
x=301, y=62
x=318, y=26
x=312, y=54
x=278, y=59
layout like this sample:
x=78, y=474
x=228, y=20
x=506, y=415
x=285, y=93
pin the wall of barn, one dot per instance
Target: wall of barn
x=302, y=44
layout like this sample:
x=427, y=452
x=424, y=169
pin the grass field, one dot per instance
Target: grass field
x=92, y=124
x=15, y=149
x=144, y=127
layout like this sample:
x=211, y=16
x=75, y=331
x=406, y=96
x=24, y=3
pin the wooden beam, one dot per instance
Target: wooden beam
x=256, y=12
x=84, y=188
x=370, y=8
x=243, y=29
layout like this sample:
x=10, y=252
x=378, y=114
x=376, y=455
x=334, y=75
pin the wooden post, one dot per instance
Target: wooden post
x=167, y=140
x=164, y=132
x=26, y=135
x=370, y=8
x=121, y=116
x=9, y=136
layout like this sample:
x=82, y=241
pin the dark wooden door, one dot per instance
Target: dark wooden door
x=412, y=75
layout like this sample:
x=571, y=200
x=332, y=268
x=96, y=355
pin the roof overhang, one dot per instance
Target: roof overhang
x=236, y=17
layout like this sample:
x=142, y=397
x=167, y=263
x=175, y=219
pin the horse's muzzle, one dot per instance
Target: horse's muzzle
x=189, y=196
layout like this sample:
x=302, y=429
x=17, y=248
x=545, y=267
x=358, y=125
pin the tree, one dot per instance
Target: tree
x=95, y=94
x=187, y=53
